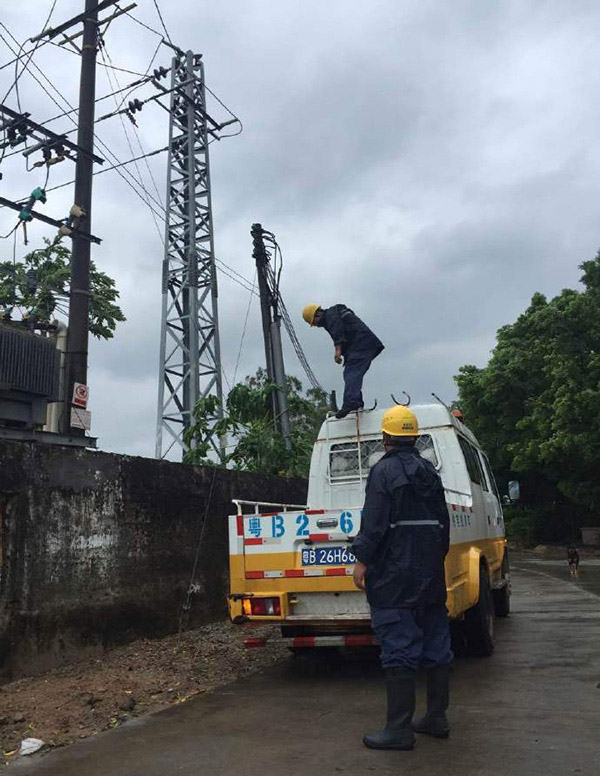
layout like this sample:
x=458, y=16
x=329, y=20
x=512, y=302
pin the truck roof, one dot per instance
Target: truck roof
x=428, y=416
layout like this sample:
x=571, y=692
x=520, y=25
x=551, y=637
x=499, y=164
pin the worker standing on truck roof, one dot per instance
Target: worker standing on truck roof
x=355, y=344
x=401, y=546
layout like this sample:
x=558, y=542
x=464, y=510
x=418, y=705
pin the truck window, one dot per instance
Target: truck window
x=473, y=465
x=426, y=449
x=343, y=457
x=490, y=475
x=484, y=480
x=344, y=461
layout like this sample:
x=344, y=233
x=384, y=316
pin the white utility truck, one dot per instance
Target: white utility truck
x=293, y=565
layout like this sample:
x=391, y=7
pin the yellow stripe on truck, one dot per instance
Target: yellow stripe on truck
x=462, y=576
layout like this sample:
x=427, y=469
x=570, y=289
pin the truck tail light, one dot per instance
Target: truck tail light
x=262, y=607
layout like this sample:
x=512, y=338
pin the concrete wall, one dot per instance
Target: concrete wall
x=98, y=549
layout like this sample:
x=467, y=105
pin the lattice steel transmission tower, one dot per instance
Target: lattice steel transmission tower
x=190, y=354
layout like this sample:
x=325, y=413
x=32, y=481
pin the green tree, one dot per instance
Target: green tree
x=39, y=283
x=257, y=446
x=536, y=405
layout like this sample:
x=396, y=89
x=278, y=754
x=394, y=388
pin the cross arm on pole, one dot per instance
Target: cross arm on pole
x=81, y=17
x=23, y=118
x=47, y=220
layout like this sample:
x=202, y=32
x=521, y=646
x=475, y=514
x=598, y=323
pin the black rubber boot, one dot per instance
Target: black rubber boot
x=345, y=411
x=397, y=734
x=434, y=723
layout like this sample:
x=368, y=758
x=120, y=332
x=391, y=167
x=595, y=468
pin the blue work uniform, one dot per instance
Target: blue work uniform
x=359, y=347
x=403, y=540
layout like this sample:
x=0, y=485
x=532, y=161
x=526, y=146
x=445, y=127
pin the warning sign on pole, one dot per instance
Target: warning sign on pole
x=81, y=418
x=80, y=395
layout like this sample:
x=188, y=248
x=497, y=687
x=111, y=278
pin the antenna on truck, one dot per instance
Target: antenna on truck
x=435, y=396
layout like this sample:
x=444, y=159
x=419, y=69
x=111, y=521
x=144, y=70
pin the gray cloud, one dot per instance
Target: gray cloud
x=432, y=165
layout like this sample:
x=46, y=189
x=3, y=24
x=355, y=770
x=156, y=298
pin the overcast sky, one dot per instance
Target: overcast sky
x=429, y=164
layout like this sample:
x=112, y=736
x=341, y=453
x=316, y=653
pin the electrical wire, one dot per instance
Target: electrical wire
x=122, y=173
x=100, y=64
x=134, y=85
x=23, y=55
x=15, y=84
x=12, y=231
x=103, y=53
x=156, y=50
x=192, y=588
x=249, y=286
x=162, y=21
x=142, y=24
x=235, y=276
x=107, y=169
x=274, y=277
x=239, y=353
x=231, y=113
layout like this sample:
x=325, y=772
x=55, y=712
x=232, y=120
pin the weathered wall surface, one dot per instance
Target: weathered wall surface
x=98, y=549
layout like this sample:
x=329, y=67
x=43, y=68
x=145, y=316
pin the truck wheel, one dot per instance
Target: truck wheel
x=502, y=595
x=479, y=619
x=457, y=638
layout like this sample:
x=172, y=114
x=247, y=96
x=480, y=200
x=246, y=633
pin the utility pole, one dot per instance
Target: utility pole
x=259, y=253
x=79, y=300
x=190, y=352
x=271, y=322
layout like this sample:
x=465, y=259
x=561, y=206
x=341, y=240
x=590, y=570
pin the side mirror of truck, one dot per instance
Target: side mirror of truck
x=514, y=491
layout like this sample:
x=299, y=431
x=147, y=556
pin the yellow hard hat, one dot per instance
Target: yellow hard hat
x=309, y=313
x=399, y=421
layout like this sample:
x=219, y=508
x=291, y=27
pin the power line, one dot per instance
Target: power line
x=237, y=362
x=101, y=64
x=231, y=113
x=142, y=24
x=156, y=50
x=15, y=84
x=235, y=276
x=23, y=55
x=134, y=85
x=162, y=21
x=103, y=52
x=248, y=285
x=106, y=169
x=108, y=151
x=274, y=275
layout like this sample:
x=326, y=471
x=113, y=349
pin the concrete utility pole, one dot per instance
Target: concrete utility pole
x=271, y=322
x=261, y=258
x=79, y=300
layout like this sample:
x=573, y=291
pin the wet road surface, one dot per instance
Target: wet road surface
x=532, y=708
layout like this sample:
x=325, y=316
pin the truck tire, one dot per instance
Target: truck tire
x=502, y=595
x=479, y=619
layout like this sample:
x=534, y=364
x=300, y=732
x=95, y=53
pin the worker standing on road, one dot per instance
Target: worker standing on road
x=403, y=540
x=355, y=344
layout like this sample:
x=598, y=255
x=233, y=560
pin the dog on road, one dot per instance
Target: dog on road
x=573, y=558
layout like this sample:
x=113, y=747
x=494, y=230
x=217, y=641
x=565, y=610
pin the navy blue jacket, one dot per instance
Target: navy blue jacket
x=348, y=332
x=405, y=532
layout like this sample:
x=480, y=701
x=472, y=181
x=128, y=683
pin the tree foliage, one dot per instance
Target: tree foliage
x=38, y=284
x=256, y=444
x=536, y=405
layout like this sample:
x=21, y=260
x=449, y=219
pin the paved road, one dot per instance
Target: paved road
x=533, y=708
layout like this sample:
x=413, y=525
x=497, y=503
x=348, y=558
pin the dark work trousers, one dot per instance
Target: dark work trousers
x=413, y=638
x=356, y=365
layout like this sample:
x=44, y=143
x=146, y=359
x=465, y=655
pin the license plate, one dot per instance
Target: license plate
x=327, y=556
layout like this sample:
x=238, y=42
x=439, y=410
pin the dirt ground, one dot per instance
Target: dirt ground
x=79, y=700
